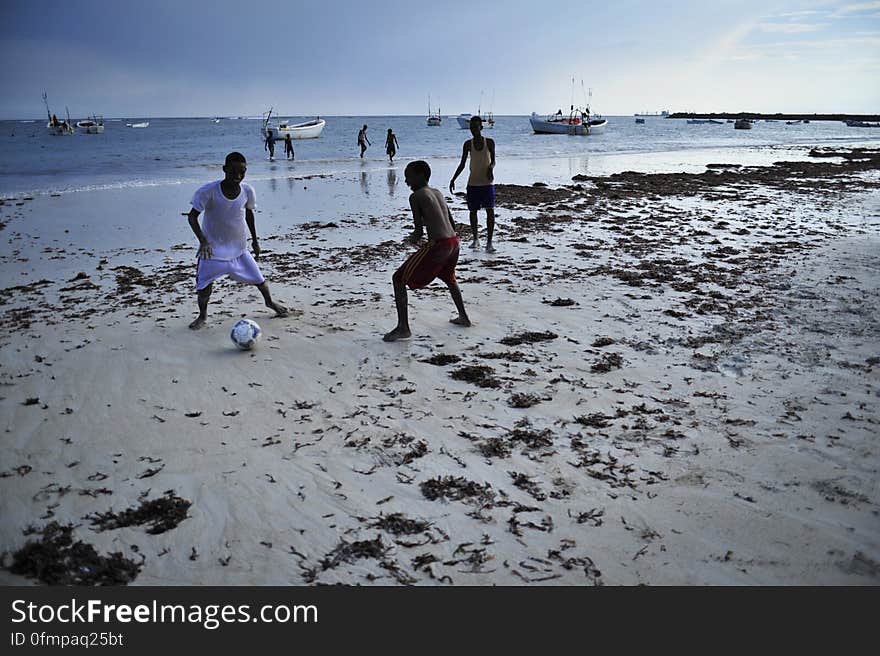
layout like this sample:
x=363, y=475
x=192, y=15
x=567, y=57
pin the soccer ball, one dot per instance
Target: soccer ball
x=245, y=334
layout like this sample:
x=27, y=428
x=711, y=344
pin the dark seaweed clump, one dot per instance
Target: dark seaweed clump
x=528, y=338
x=480, y=375
x=523, y=400
x=348, y=552
x=441, y=359
x=456, y=488
x=56, y=559
x=400, y=524
x=608, y=362
x=161, y=514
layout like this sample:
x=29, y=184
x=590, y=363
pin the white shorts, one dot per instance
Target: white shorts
x=243, y=268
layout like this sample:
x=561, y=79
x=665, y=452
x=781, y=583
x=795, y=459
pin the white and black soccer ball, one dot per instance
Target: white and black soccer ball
x=245, y=334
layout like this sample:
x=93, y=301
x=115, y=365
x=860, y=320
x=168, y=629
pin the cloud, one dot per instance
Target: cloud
x=855, y=8
x=791, y=28
x=859, y=6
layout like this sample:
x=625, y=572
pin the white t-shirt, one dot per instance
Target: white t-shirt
x=223, y=223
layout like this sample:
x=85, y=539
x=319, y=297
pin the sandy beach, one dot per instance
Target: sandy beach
x=673, y=378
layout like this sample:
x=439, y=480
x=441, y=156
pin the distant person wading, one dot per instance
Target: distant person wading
x=363, y=142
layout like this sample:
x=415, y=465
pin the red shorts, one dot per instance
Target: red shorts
x=436, y=259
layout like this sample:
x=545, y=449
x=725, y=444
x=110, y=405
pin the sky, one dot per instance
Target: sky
x=151, y=58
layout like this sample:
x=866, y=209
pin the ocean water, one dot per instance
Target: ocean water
x=190, y=150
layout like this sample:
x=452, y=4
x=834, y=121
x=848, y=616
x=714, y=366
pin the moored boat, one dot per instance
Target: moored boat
x=433, y=120
x=742, y=124
x=57, y=127
x=464, y=120
x=145, y=124
x=91, y=125
x=704, y=121
x=577, y=122
x=305, y=130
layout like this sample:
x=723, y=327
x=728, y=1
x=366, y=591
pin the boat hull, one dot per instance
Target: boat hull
x=434, y=121
x=90, y=127
x=308, y=130
x=544, y=126
x=464, y=121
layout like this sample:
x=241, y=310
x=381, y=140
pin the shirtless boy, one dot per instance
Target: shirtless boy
x=435, y=259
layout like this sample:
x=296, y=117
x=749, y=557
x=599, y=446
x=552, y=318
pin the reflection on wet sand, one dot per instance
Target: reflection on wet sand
x=392, y=181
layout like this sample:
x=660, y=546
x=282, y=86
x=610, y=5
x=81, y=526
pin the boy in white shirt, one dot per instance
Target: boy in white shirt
x=228, y=205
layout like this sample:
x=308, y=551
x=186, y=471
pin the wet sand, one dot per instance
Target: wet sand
x=672, y=378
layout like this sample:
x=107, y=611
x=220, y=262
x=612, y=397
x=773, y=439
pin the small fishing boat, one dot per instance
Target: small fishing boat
x=793, y=122
x=464, y=120
x=306, y=130
x=742, y=124
x=145, y=124
x=640, y=121
x=91, y=125
x=861, y=124
x=577, y=122
x=55, y=126
x=433, y=120
x=704, y=121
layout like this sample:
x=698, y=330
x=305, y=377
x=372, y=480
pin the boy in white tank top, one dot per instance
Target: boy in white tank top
x=480, y=186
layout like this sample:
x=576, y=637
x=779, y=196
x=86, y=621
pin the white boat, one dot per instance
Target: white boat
x=145, y=124
x=91, y=125
x=55, y=126
x=577, y=122
x=464, y=120
x=433, y=120
x=59, y=128
x=306, y=130
x=704, y=121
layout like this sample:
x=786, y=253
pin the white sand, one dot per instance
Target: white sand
x=747, y=461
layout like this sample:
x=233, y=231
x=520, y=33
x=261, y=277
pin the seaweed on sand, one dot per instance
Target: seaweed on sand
x=162, y=514
x=480, y=375
x=528, y=338
x=56, y=559
x=457, y=488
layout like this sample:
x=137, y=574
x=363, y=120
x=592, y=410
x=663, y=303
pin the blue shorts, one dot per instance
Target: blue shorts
x=480, y=197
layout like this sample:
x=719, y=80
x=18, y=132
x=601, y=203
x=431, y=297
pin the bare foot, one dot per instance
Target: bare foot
x=280, y=310
x=397, y=333
x=461, y=321
x=475, y=244
x=490, y=248
x=198, y=323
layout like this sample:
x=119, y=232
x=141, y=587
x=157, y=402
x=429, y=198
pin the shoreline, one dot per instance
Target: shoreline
x=518, y=169
x=654, y=391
